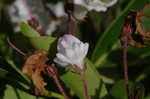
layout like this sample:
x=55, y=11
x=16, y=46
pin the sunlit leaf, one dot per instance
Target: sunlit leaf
x=28, y=31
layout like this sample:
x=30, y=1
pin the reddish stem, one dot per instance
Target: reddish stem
x=14, y=47
x=71, y=25
x=57, y=81
x=125, y=66
x=52, y=71
x=85, y=85
x=69, y=9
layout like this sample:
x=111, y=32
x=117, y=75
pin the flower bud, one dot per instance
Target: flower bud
x=71, y=51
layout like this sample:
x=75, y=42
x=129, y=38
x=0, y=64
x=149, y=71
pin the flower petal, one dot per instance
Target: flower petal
x=71, y=51
x=63, y=58
x=60, y=62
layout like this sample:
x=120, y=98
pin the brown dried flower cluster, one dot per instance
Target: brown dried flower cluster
x=33, y=67
x=139, y=18
x=133, y=29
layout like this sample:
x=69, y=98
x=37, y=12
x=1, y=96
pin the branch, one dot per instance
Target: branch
x=125, y=65
x=69, y=9
x=14, y=47
x=52, y=71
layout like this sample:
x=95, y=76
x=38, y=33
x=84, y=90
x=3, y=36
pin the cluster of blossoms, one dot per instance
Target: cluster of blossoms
x=71, y=51
x=82, y=7
x=97, y=5
x=23, y=10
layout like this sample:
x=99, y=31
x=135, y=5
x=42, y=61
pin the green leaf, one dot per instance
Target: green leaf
x=13, y=93
x=11, y=63
x=147, y=10
x=119, y=91
x=142, y=92
x=28, y=31
x=96, y=86
x=3, y=73
x=147, y=97
x=5, y=49
x=42, y=42
x=73, y=80
x=110, y=37
x=53, y=94
x=38, y=42
x=9, y=76
x=146, y=24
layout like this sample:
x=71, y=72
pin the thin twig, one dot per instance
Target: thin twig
x=14, y=47
x=69, y=9
x=138, y=93
x=125, y=66
x=71, y=25
x=85, y=85
x=57, y=81
x=52, y=71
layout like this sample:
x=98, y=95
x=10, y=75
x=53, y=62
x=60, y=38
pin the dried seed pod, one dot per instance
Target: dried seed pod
x=33, y=67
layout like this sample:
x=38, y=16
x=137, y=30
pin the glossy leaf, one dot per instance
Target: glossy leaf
x=28, y=31
x=43, y=42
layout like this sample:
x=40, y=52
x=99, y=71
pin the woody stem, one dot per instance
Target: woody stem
x=125, y=66
x=57, y=81
x=14, y=47
x=85, y=85
x=71, y=24
x=69, y=9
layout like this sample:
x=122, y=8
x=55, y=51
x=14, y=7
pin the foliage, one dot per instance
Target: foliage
x=104, y=73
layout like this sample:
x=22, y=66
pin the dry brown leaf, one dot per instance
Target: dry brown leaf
x=139, y=18
x=33, y=67
x=137, y=35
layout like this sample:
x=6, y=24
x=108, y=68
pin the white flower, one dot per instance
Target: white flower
x=80, y=12
x=52, y=27
x=71, y=51
x=23, y=10
x=18, y=12
x=97, y=5
x=58, y=9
